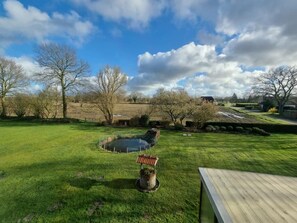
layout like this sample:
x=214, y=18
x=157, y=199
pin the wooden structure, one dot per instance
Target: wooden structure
x=147, y=160
x=236, y=196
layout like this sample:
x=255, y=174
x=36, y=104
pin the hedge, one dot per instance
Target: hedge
x=272, y=128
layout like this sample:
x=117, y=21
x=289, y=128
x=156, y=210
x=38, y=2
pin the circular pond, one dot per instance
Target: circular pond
x=127, y=145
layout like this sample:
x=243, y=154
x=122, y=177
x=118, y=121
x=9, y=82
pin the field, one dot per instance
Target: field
x=55, y=172
x=90, y=112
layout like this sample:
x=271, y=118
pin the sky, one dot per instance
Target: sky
x=207, y=47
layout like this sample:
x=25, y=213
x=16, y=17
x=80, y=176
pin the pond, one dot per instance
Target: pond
x=127, y=145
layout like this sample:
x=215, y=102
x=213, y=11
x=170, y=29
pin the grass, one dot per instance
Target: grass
x=55, y=173
x=263, y=116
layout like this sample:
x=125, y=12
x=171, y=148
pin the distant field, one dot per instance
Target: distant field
x=91, y=112
x=55, y=172
x=126, y=111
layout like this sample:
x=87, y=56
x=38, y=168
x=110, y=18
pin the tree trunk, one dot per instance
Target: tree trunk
x=4, y=109
x=64, y=103
x=110, y=119
x=281, y=109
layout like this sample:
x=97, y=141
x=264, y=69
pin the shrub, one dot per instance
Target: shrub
x=217, y=128
x=178, y=126
x=249, y=130
x=272, y=110
x=144, y=120
x=239, y=129
x=268, y=127
x=21, y=104
x=223, y=128
x=209, y=128
x=260, y=131
x=230, y=128
x=204, y=113
x=165, y=123
x=134, y=121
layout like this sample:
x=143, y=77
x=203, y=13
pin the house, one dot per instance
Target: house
x=207, y=99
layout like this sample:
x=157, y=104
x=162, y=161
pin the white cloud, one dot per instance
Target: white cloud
x=21, y=24
x=28, y=64
x=265, y=30
x=137, y=14
x=200, y=69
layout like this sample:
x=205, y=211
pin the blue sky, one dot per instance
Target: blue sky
x=207, y=47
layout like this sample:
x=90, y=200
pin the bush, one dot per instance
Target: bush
x=260, y=131
x=134, y=121
x=273, y=110
x=204, y=113
x=209, y=128
x=268, y=127
x=230, y=128
x=165, y=123
x=21, y=104
x=223, y=128
x=144, y=120
x=178, y=126
x=249, y=130
x=239, y=129
x=217, y=128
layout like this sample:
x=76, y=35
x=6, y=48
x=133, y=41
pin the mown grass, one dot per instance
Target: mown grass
x=55, y=172
x=266, y=117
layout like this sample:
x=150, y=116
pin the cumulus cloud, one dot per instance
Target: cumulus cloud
x=191, y=9
x=261, y=32
x=200, y=69
x=137, y=14
x=28, y=64
x=21, y=23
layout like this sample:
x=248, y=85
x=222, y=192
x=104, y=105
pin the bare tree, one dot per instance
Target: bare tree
x=45, y=103
x=61, y=67
x=12, y=78
x=278, y=83
x=21, y=104
x=176, y=105
x=204, y=113
x=108, y=86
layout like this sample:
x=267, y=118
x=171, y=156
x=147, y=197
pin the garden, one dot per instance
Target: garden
x=53, y=172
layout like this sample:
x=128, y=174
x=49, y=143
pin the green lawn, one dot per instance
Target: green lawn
x=55, y=173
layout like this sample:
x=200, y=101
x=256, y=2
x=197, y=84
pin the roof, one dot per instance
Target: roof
x=238, y=196
x=207, y=98
x=147, y=159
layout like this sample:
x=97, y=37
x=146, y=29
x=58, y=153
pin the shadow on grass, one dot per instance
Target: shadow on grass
x=32, y=121
x=84, y=183
x=121, y=183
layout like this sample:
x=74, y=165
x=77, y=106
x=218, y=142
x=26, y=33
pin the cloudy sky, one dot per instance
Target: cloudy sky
x=208, y=47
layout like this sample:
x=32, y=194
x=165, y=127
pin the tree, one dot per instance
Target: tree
x=176, y=105
x=21, y=104
x=12, y=78
x=278, y=83
x=61, y=67
x=45, y=103
x=204, y=113
x=136, y=97
x=234, y=98
x=108, y=86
